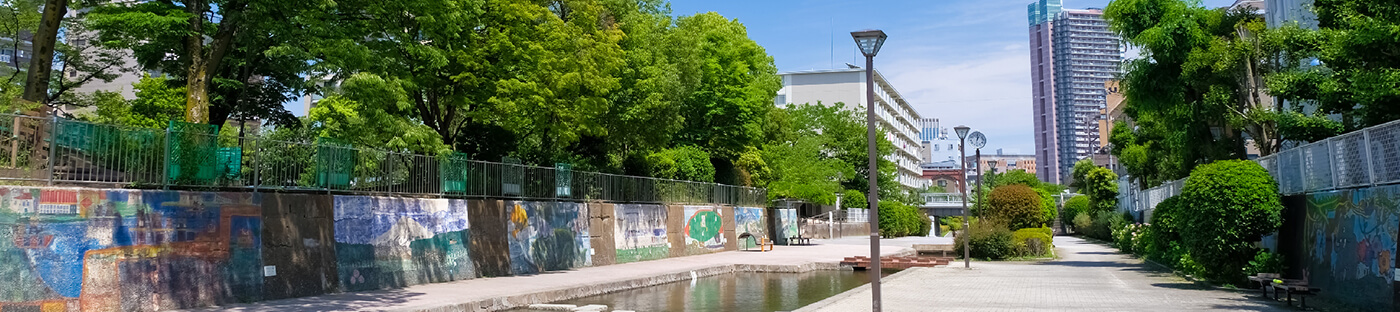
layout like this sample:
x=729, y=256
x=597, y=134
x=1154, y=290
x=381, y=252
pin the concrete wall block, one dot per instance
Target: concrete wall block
x=490, y=250
x=298, y=245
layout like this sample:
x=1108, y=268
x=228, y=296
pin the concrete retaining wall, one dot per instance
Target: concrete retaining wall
x=1349, y=243
x=82, y=249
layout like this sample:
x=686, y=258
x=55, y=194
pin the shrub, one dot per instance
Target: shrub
x=1123, y=238
x=1033, y=242
x=1143, y=241
x=682, y=163
x=1083, y=222
x=1165, y=230
x=854, y=199
x=1265, y=262
x=1101, y=225
x=898, y=219
x=1075, y=206
x=988, y=240
x=1230, y=205
x=1017, y=206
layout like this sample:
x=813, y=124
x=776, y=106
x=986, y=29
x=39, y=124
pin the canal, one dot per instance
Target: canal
x=731, y=292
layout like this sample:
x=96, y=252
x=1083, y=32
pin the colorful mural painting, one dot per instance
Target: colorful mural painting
x=547, y=236
x=750, y=220
x=640, y=232
x=109, y=250
x=394, y=242
x=1350, y=242
x=787, y=225
x=702, y=230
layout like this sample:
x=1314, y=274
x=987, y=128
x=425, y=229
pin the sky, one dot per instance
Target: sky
x=965, y=62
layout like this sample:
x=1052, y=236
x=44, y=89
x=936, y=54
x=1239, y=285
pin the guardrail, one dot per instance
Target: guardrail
x=1363, y=158
x=57, y=151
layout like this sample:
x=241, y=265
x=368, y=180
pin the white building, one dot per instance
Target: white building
x=847, y=85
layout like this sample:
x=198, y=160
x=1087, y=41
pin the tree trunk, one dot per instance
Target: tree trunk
x=202, y=65
x=36, y=86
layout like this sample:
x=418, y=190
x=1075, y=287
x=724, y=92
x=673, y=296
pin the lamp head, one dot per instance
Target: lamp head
x=869, y=41
x=962, y=131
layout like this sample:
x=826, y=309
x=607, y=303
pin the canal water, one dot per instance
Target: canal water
x=756, y=292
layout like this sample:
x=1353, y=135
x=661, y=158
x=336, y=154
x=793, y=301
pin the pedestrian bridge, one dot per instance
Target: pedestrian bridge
x=942, y=204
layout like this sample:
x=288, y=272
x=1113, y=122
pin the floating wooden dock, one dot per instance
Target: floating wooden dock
x=862, y=262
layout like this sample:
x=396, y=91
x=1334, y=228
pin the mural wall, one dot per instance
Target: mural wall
x=1350, y=244
x=547, y=236
x=640, y=232
x=786, y=225
x=81, y=249
x=108, y=250
x=750, y=220
x=394, y=242
x=702, y=230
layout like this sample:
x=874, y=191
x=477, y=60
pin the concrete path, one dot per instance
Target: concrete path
x=1089, y=277
x=489, y=294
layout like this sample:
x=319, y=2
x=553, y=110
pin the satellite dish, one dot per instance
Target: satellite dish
x=977, y=139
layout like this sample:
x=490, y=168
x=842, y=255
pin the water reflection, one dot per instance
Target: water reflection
x=732, y=292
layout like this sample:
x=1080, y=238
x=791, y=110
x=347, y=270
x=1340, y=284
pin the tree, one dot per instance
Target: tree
x=82, y=59
x=1354, y=72
x=805, y=155
x=1099, y=183
x=1226, y=206
x=213, y=47
x=735, y=83
x=1018, y=176
x=158, y=100
x=682, y=163
x=1017, y=206
x=36, y=88
x=1076, y=206
x=1198, y=92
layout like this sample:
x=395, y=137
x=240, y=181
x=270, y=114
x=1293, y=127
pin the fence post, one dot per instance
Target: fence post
x=256, y=168
x=53, y=144
x=165, y=161
x=1370, y=165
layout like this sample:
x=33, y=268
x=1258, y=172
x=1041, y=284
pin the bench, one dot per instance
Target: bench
x=1264, y=280
x=762, y=242
x=799, y=240
x=1302, y=290
x=942, y=249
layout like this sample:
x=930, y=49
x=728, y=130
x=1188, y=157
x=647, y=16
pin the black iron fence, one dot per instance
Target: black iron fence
x=57, y=151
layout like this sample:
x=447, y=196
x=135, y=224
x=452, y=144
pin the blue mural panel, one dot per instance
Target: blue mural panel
x=1350, y=242
x=547, y=236
x=750, y=220
x=394, y=242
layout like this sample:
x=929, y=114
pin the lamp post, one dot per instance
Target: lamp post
x=869, y=42
x=962, y=143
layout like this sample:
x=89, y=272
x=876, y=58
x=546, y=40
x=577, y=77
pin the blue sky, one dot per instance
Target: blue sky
x=962, y=61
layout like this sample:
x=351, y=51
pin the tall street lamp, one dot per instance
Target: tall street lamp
x=962, y=143
x=869, y=42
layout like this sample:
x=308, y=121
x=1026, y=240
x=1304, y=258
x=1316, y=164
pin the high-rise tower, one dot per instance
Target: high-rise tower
x=1072, y=54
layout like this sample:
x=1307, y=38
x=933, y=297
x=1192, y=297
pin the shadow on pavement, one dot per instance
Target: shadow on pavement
x=353, y=301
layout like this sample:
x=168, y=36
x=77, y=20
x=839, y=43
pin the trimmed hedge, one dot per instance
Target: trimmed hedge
x=1017, y=206
x=1034, y=242
x=898, y=219
x=1075, y=206
x=989, y=240
x=1228, y=205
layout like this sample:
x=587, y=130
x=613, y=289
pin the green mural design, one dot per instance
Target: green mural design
x=704, y=225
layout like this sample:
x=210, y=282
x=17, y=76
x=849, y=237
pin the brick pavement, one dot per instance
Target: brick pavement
x=1089, y=277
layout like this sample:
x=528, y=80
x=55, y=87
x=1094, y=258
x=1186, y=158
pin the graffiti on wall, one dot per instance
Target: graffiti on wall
x=1350, y=242
x=787, y=225
x=394, y=242
x=749, y=220
x=108, y=250
x=640, y=232
x=702, y=229
x=547, y=236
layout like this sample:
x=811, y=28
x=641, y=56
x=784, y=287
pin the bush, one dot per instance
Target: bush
x=1143, y=241
x=1229, y=205
x=1101, y=225
x=1083, y=222
x=1162, y=235
x=1265, y=262
x=682, y=163
x=1075, y=206
x=988, y=240
x=854, y=199
x=1017, y=206
x=1033, y=242
x=1126, y=238
x=898, y=219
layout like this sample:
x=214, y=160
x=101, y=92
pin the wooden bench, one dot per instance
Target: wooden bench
x=1302, y=290
x=942, y=249
x=799, y=240
x=1264, y=280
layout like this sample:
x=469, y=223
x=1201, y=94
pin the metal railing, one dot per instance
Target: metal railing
x=1363, y=158
x=56, y=151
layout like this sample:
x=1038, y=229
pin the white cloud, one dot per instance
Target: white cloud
x=990, y=93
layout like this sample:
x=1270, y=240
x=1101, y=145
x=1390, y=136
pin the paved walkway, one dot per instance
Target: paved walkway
x=488, y=294
x=1089, y=277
